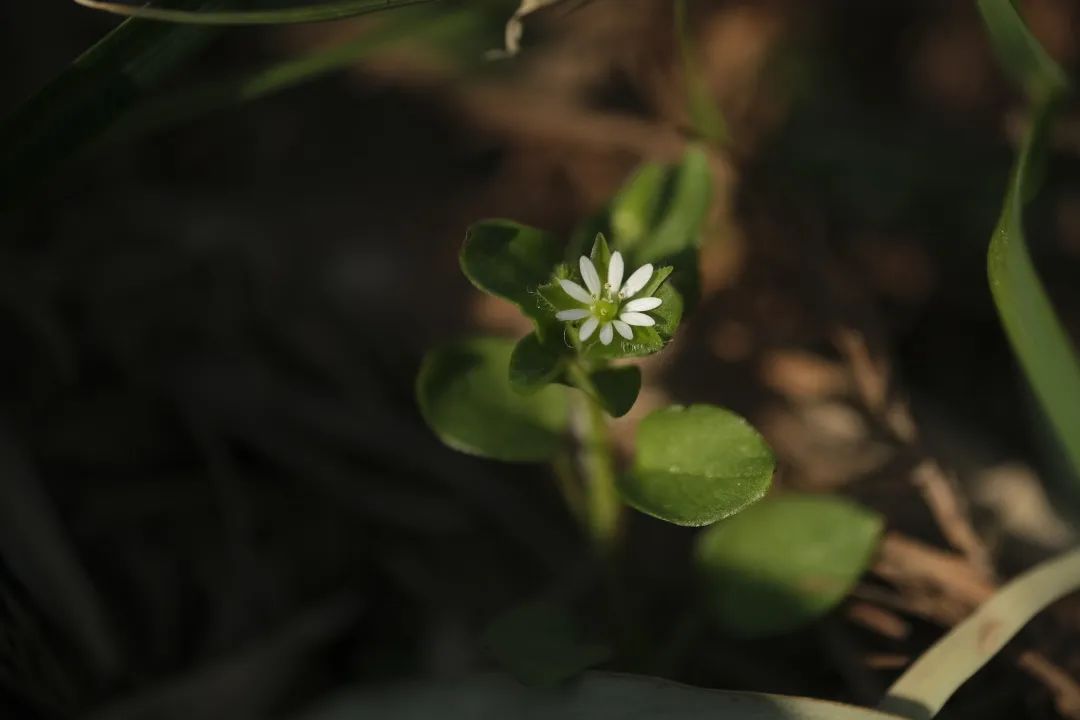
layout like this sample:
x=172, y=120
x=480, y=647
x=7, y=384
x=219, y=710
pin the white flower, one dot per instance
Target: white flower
x=609, y=306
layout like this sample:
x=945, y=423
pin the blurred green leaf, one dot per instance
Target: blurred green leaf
x=510, y=261
x=660, y=211
x=465, y=396
x=295, y=12
x=595, y=696
x=1040, y=341
x=784, y=562
x=535, y=362
x=115, y=74
x=616, y=388
x=635, y=209
x=659, y=216
x=682, y=211
x=697, y=465
x=1023, y=58
x=540, y=644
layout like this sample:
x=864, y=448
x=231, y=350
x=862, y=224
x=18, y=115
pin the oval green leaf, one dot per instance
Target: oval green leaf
x=595, y=696
x=511, y=261
x=465, y=396
x=615, y=388
x=697, y=465
x=784, y=562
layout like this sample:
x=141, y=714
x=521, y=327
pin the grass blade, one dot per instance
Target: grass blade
x=922, y=691
x=278, y=16
x=1034, y=330
x=116, y=73
x=193, y=102
x=35, y=546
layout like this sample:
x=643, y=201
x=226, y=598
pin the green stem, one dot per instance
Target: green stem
x=597, y=465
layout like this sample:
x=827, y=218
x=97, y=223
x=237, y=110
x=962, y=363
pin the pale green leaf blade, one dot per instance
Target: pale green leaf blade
x=784, y=561
x=465, y=396
x=697, y=465
x=296, y=12
x=595, y=697
x=921, y=692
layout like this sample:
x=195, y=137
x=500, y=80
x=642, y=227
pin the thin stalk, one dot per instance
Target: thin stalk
x=597, y=466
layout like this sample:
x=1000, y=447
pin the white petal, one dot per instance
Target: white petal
x=638, y=280
x=643, y=304
x=576, y=291
x=636, y=318
x=606, y=334
x=590, y=276
x=571, y=315
x=623, y=329
x=615, y=271
x=587, y=328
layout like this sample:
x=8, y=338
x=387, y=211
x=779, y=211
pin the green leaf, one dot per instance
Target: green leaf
x=115, y=74
x=540, y=644
x=635, y=209
x=784, y=562
x=615, y=388
x=659, y=215
x=535, y=363
x=465, y=396
x=682, y=213
x=697, y=465
x=595, y=696
x=510, y=261
x=1023, y=58
x=299, y=12
x=1037, y=336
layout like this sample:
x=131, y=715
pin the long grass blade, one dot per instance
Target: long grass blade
x=118, y=72
x=1040, y=341
x=923, y=690
x=278, y=16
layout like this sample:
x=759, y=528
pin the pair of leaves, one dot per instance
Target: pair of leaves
x=693, y=466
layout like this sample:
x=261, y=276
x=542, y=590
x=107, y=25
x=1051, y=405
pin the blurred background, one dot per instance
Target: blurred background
x=217, y=498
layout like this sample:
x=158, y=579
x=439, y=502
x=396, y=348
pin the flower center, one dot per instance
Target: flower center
x=605, y=310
